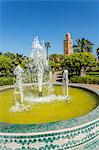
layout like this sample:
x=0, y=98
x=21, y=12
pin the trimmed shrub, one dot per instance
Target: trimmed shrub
x=85, y=79
x=6, y=81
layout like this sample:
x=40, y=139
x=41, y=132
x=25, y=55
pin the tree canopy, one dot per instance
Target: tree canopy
x=97, y=52
x=79, y=62
x=83, y=45
x=8, y=62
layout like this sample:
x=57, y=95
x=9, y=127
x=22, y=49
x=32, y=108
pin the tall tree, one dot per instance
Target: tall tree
x=97, y=52
x=47, y=45
x=57, y=58
x=80, y=62
x=83, y=45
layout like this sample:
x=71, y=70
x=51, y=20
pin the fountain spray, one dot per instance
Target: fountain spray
x=18, y=72
x=65, y=83
x=37, y=70
x=40, y=61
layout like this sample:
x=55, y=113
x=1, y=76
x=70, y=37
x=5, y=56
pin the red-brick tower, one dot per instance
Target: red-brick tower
x=68, y=44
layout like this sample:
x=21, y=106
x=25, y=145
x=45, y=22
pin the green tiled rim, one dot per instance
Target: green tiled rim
x=84, y=138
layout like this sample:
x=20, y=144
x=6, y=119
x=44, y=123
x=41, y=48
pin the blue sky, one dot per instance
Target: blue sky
x=21, y=21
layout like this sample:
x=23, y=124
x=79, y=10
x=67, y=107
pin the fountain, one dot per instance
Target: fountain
x=19, y=90
x=65, y=83
x=41, y=76
x=41, y=117
x=18, y=72
x=40, y=61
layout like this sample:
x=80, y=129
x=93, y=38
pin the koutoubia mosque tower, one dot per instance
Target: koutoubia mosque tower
x=68, y=44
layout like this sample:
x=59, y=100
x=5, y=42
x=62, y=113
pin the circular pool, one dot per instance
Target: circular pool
x=80, y=103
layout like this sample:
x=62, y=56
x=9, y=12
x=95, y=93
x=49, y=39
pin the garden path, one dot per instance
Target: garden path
x=57, y=77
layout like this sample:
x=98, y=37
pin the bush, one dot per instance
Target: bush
x=6, y=81
x=85, y=79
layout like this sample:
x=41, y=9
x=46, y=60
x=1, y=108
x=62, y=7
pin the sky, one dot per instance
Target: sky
x=21, y=21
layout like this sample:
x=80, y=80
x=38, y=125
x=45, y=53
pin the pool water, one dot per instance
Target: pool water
x=82, y=102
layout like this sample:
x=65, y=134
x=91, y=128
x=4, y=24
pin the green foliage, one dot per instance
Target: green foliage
x=57, y=58
x=8, y=62
x=83, y=45
x=54, y=66
x=94, y=73
x=6, y=65
x=6, y=81
x=79, y=62
x=86, y=79
x=97, y=52
x=47, y=44
x=55, y=61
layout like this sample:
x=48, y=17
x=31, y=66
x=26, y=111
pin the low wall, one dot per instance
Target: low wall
x=59, y=139
x=81, y=133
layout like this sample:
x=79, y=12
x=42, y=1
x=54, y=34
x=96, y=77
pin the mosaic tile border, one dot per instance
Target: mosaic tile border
x=65, y=139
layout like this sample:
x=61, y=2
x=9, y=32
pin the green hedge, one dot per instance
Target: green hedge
x=6, y=81
x=75, y=79
x=85, y=79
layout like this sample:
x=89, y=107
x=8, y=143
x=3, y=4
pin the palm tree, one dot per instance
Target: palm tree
x=19, y=57
x=47, y=45
x=97, y=52
x=83, y=45
x=10, y=55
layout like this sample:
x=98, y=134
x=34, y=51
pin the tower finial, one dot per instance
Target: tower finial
x=67, y=30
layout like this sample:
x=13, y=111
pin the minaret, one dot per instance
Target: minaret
x=68, y=43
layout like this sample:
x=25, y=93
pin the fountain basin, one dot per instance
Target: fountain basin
x=81, y=132
x=47, y=108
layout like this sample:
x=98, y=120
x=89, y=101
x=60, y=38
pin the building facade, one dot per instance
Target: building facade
x=68, y=44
